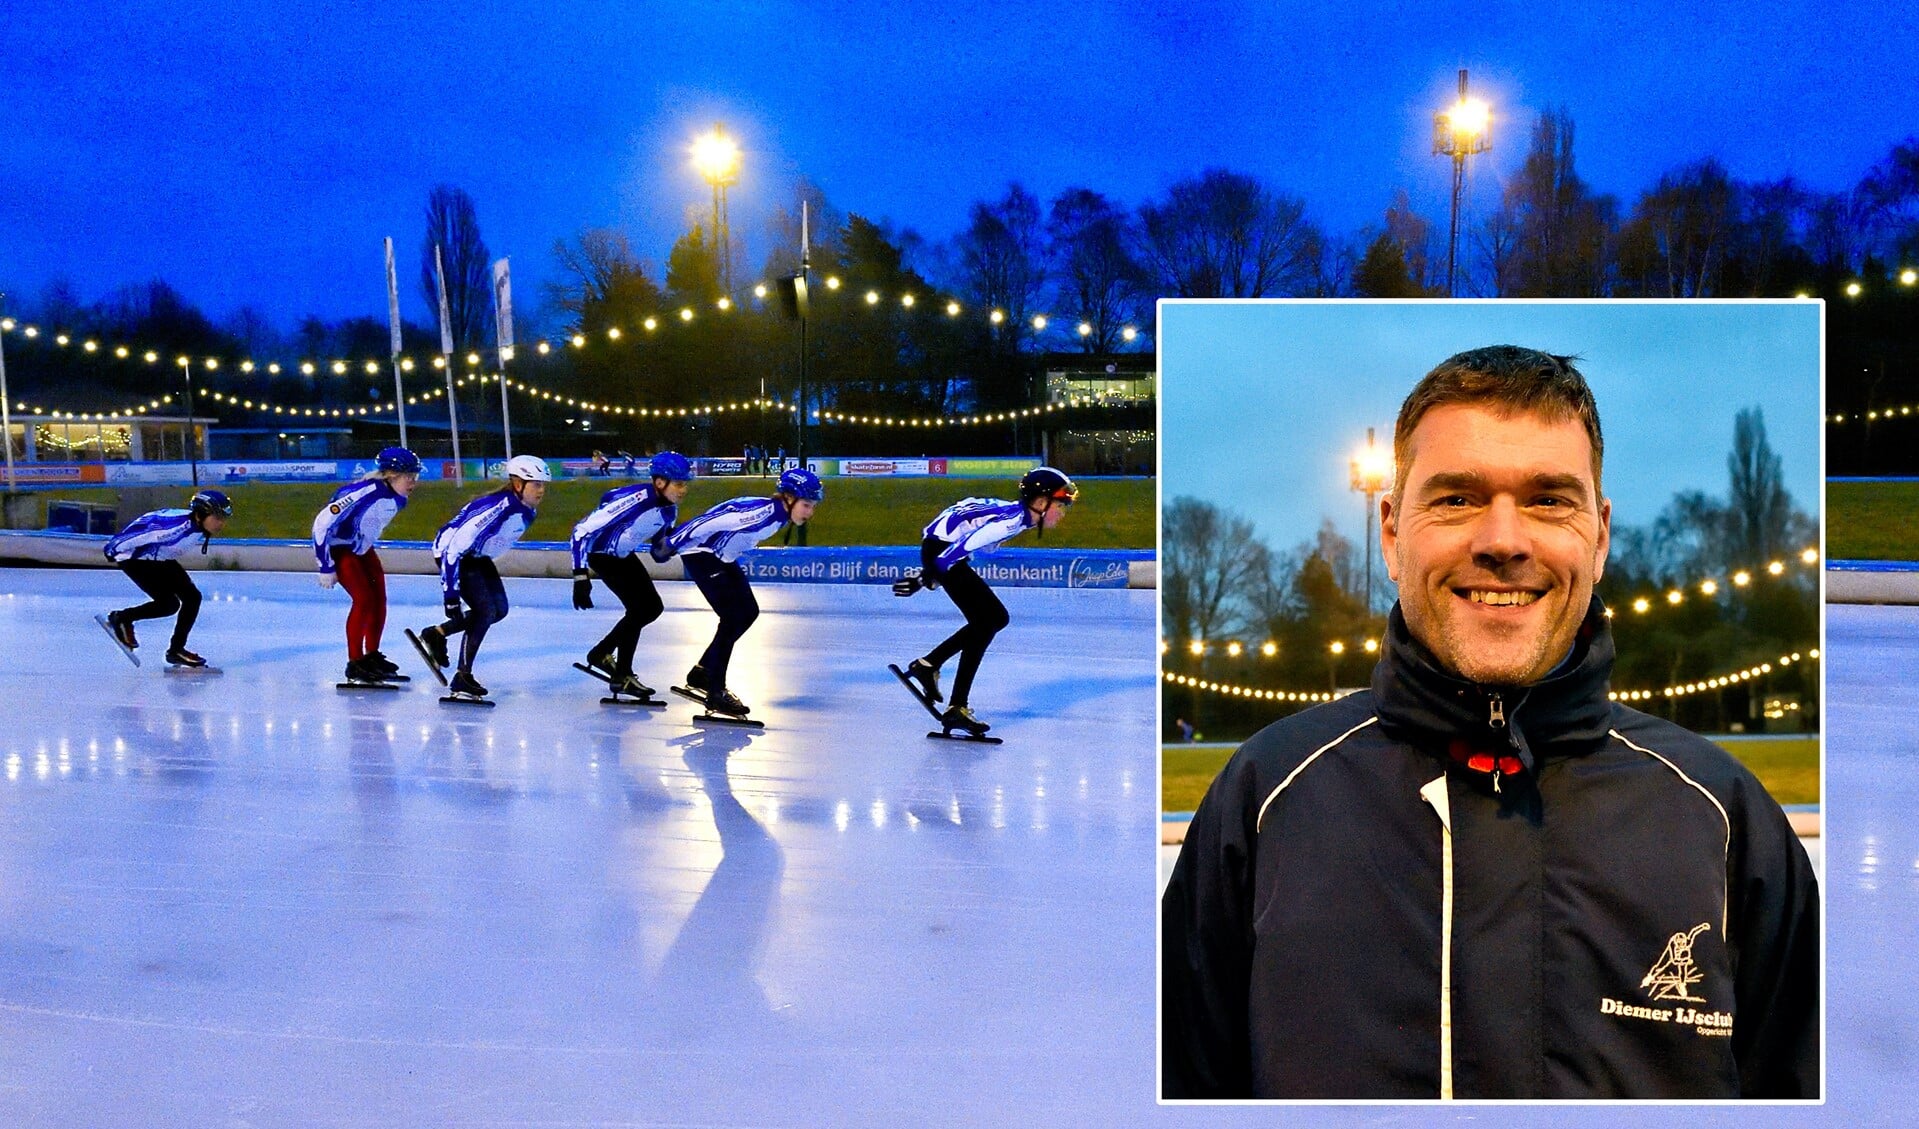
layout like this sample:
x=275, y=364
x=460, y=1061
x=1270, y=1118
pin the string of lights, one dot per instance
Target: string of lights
x=1678, y=690
x=1013, y=416
x=952, y=308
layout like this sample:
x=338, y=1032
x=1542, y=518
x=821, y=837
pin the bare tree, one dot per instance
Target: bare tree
x=1214, y=563
x=1561, y=229
x=1097, y=277
x=603, y=282
x=452, y=227
x=1225, y=235
x=1002, y=259
x=1676, y=240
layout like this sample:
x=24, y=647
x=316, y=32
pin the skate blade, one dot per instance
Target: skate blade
x=689, y=694
x=366, y=686
x=591, y=673
x=709, y=718
x=124, y=649
x=425, y=655
x=649, y=703
x=183, y=669
x=913, y=689
x=466, y=700
x=969, y=738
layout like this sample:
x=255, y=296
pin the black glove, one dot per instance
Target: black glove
x=659, y=550
x=929, y=579
x=907, y=586
x=582, y=591
x=452, y=607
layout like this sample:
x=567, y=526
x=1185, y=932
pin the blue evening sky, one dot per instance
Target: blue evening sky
x=257, y=153
x=1263, y=403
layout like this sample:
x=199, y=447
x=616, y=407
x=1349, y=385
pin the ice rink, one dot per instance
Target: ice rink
x=253, y=899
x=250, y=899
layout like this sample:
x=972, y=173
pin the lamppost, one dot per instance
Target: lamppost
x=1458, y=133
x=717, y=156
x=1372, y=470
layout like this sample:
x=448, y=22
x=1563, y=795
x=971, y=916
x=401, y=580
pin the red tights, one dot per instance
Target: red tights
x=365, y=580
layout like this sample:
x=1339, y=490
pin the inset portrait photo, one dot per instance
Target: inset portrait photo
x=1491, y=682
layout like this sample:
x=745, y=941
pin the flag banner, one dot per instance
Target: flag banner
x=503, y=309
x=446, y=317
x=392, y=297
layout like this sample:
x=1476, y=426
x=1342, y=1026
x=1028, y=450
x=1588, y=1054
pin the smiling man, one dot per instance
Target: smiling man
x=1481, y=878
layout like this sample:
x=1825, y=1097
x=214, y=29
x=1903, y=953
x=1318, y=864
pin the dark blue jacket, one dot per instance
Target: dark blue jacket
x=1439, y=889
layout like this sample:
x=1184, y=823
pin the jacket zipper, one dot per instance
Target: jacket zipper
x=1496, y=720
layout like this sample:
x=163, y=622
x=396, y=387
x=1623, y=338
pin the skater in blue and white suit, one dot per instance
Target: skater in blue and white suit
x=962, y=530
x=711, y=545
x=148, y=550
x=466, y=548
x=607, y=543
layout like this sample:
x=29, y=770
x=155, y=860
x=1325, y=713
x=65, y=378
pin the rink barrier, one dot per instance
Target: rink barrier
x=1017, y=568
x=220, y=472
x=1872, y=582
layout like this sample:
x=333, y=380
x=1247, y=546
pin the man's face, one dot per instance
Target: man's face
x=1496, y=540
x=213, y=523
x=673, y=492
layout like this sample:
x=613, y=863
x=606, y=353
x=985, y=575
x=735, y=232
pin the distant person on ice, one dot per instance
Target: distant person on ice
x=344, y=533
x=148, y=551
x=965, y=528
x=711, y=545
x=466, y=548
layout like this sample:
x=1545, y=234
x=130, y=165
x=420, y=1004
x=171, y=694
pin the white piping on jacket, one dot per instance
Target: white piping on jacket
x=1725, y=896
x=1435, y=795
x=1260, y=820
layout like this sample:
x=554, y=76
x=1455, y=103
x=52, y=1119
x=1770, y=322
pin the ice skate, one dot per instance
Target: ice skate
x=180, y=660
x=603, y=663
x=970, y=728
x=466, y=690
x=121, y=632
x=630, y=691
x=432, y=647
x=726, y=708
x=362, y=674
x=928, y=677
x=384, y=667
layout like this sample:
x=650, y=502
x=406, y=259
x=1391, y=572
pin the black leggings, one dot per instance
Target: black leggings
x=724, y=585
x=170, y=590
x=485, y=598
x=628, y=579
x=984, y=613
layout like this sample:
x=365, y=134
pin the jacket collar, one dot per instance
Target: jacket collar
x=1499, y=730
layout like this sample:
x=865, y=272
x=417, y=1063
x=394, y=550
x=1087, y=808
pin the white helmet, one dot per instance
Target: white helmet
x=529, y=468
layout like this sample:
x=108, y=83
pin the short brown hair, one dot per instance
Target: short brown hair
x=1506, y=377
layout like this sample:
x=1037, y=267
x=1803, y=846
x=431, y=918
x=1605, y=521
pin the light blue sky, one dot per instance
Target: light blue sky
x=1264, y=403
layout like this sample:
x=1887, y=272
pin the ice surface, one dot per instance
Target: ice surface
x=251, y=899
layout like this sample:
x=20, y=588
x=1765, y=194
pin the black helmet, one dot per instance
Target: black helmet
x=1045, y=482
x=210, y=502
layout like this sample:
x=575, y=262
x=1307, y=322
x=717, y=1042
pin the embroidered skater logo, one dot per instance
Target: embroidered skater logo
x=1675, y=970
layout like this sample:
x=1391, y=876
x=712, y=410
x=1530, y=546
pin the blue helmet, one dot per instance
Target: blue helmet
x=399, y=460
x=802, y=484
x=671, y=466
x=210, y=502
